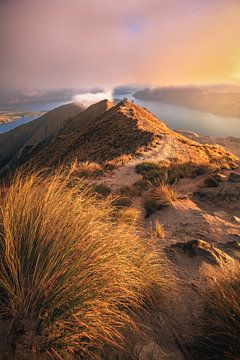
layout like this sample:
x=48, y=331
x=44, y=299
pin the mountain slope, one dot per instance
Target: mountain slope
x=13, y=142
x=126, y=129
x=83, y=119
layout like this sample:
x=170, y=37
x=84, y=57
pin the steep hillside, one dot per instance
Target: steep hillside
x=126, y=129
x=83, y=119
x=13, y=142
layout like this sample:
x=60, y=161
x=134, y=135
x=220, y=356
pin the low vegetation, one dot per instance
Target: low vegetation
x=130, y=216
x=156, y=172
x=219, y=334
x=102, y=190
x=121, y=202
x=87, y=169
x=130, y=191
x=159, y=197
x=71, y=278
x=158, y=230
x=142, y=184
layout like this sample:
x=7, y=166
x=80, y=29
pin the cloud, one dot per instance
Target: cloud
x=89, y=98
x=77, y=43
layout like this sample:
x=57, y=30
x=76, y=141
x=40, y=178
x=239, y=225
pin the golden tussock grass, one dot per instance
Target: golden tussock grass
x=158, y=230
x=218, y=334
x=69, y=269
x=130, y=216
x=159, y=197
x=86, y=169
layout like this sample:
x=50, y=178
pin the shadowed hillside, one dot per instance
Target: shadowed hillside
x=12, y=143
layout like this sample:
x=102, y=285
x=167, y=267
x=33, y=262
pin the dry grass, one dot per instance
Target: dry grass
x=142, y=184
x=146, y=166
x=121, y=202
x=86, y=169
x=130, y=216
x=159, y=197
x=219, y=335
x=163, y=171
x=102, y=190
x=158, y=230
x=130, y=191
x=70, y=277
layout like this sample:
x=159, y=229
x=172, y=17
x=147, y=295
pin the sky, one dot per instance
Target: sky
x=53, y=44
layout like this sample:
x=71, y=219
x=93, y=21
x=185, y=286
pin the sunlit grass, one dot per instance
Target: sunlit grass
x=159, y=197
x=68, y=268
x=218, y=335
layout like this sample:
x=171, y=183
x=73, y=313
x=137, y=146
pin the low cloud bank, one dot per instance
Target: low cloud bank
x=88, y=99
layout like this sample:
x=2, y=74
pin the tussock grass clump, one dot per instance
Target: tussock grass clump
x=142, y=184
x=70, y=277
x=102, y=189
x=159, y=197
x=219, y=335
x=159, y=230
x=122, y=202
x=87, y=169
x=145, y=167
x=163, y=171
x=130, y=191
x=130, y=216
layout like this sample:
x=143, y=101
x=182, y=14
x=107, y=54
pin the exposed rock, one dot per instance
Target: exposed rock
x=236, y=219
x=202, y=249
x=221, y=177
x=234, y=177
x=226, y=191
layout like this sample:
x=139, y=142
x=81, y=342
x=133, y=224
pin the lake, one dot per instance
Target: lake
x=37, y=107
x=179, y=117
x=176, y=117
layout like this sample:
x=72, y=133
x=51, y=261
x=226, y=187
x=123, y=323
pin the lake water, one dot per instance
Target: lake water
x=176, y=117
x=38, y=107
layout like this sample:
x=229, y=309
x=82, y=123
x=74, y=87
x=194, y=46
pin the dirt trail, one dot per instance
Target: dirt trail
x=126, y=175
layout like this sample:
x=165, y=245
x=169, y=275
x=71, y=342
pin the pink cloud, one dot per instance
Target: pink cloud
x=58, y=43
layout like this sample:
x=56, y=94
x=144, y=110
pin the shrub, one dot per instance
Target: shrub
x=102, y=189
x=219, y=334
x=159, y=197
x=70, y=277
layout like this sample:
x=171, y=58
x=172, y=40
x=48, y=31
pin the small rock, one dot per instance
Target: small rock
x=234, y=177
x=203, y=249
x=236, y=219
x=221, y=177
